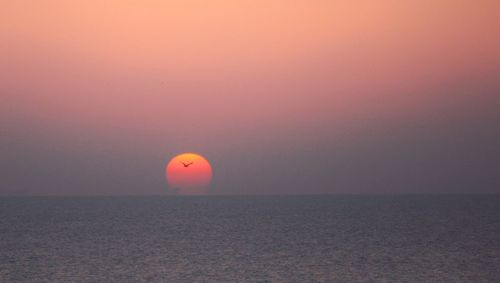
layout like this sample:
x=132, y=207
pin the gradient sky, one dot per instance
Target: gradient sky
x=283, y=97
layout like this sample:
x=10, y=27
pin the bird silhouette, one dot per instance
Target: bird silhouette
x=186, y=164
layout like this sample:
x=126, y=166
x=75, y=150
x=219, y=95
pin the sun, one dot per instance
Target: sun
x=189, y=174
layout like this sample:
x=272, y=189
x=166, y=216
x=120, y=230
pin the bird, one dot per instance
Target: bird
x=186, y=164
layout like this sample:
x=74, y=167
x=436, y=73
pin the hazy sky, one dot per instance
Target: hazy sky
x=281, y=96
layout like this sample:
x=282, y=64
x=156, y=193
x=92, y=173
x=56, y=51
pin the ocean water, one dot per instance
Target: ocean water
x=251, y=239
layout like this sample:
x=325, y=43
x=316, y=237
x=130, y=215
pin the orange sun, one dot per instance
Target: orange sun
x=189, y=174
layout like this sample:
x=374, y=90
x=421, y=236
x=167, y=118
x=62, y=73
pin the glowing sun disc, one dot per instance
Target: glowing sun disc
x=189, y=174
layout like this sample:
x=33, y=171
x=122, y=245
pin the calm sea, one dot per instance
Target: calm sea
x=251, y=239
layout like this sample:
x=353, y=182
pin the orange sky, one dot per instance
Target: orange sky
x=222, y=75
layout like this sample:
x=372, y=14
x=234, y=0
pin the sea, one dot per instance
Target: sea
x=345, y=238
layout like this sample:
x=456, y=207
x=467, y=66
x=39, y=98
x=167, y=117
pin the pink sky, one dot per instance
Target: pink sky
x=227, y=75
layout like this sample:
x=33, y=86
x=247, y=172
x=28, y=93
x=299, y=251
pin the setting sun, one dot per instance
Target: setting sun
x=189, y=174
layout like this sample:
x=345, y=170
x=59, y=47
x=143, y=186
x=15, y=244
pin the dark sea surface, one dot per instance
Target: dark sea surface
x=251, y=239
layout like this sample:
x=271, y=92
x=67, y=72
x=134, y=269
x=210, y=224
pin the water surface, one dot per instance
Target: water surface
x=265, y=238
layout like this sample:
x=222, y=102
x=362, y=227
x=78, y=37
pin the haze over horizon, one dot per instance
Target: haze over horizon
x=328, y=97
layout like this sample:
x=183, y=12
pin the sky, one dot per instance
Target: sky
x=282, y=97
